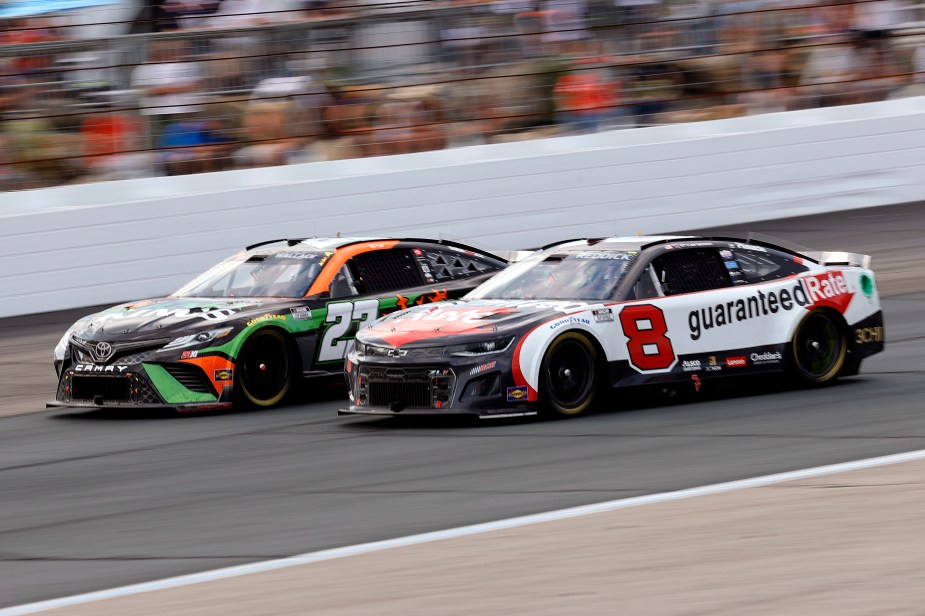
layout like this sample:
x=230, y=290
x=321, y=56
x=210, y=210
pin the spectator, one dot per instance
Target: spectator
x=245, y=13
x=114, y=144
x=269, y=135
x=193, y=146
x=170, y=85
x=309, y=99
x=585, y=99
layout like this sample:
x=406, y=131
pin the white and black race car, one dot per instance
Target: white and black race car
x=558, y=330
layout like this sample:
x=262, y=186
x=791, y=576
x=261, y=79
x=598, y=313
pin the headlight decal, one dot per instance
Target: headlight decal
x=482, y=347
x=199, y=338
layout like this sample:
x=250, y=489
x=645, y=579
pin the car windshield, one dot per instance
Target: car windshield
x=281, y=274
x=588, y=275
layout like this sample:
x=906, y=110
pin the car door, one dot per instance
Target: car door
x=364, y=288
x=656, y=330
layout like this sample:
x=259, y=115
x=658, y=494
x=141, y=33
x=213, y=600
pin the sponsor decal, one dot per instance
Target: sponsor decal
x=568, y=320
x=867, y=285
x=688, y=245
x=376, y=245
x=726, y=254
x=417, y=252
x=517, y=394
x=866, y=335
x=207, y=314
x=446, y=315
x=738, y=361
x=712, y=364
x=483, y=368
x=605, y=255
x=691, y=365
x=223, y=376
x=768, y=357
x=301, y=313
x=93, y=368
x=749, y=247
x=603, y=315
x=732, y=264
x=696, y=380
x=293, y=255
x=266, y=317
x=189, y=354
x=830, y=289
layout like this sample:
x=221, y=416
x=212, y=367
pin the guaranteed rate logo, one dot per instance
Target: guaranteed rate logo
x=829, y=289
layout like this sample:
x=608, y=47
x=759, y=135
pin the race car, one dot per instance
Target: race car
x=244, y=332
x=562, y=328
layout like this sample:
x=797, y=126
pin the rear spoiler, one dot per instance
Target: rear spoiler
x=851, y=259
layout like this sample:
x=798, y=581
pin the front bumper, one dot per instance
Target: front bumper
x=465, y=386
x=177, y=386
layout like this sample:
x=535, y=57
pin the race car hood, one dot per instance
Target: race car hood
x=168, y=316
x=434, y=325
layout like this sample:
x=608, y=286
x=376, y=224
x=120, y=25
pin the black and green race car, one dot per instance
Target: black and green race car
x=245, y=331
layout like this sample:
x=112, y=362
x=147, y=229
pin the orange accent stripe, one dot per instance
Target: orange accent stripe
x=340, y=256
x=211, y=364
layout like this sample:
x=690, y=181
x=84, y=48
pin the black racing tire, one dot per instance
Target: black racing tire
x=819, y=348
x=569, y=375
x=265, y=369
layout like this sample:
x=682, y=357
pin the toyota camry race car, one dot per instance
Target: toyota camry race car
x=244, y=331
x=558, y=330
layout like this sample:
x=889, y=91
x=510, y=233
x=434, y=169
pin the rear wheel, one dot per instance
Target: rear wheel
x=265, y=369
x=819, y=348
x=568, y=375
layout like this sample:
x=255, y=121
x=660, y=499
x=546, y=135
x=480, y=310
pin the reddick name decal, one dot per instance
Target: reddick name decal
x=829, y=289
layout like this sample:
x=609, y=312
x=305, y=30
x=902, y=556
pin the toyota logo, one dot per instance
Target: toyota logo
x=102, y=351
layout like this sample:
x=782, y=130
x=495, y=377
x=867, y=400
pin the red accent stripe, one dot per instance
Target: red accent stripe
x=519, y=379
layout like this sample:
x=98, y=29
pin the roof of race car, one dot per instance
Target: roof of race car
x=631, y=242
x=314, y=243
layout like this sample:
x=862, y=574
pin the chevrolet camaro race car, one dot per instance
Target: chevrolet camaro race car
x=243, y=332
x=559, y=329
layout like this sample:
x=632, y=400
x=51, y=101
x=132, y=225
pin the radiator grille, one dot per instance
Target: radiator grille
x=402, y=394
x=111, y=388
x=399, y=388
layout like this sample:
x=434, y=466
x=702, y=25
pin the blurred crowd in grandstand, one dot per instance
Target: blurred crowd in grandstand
x=187, y=87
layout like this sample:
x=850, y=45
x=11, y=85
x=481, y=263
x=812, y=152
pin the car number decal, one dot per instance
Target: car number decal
x=647, y=342
x=342, y=315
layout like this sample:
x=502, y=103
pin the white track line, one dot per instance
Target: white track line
x=463, y=531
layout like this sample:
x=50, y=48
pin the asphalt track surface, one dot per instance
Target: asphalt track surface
x=92, y=500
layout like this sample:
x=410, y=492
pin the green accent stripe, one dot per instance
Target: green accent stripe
x=171, y=389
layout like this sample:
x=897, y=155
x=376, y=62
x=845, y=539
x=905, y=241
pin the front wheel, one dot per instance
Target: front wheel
x=265, y=369
x=818, y=349
x=568, y=375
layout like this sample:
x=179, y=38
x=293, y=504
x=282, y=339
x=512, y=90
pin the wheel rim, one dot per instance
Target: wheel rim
x=818, y=347
x=570, y=376
x=264, y=367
